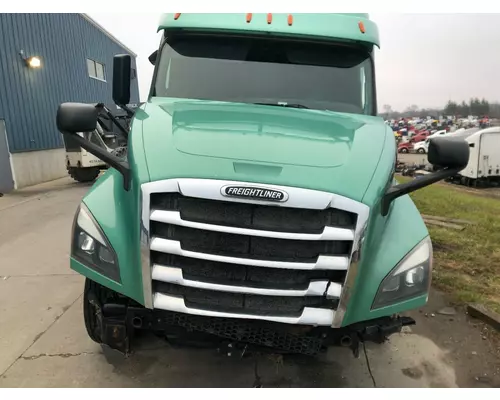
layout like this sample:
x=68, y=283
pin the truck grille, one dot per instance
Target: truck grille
x=253, y=216
x=237, y=259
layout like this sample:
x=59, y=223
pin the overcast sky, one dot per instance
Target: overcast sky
x=425, y=59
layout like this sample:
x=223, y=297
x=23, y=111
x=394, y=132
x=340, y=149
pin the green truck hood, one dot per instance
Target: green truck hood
x=312, y=149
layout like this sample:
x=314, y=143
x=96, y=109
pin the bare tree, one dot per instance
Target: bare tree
x=387, y=111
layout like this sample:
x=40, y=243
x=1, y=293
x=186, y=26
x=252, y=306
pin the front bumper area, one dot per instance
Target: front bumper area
x=233, y=336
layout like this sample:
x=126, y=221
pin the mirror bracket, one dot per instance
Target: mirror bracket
x=113, y=119
x=125, y=108
x=404, y=188
x=451, y=154
x=121, y=166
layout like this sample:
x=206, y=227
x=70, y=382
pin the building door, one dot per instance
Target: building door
x=6, y=178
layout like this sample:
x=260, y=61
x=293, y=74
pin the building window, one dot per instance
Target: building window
x=96, y=70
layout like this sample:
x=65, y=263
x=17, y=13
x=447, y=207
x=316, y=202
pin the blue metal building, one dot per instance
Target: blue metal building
x=47, y=59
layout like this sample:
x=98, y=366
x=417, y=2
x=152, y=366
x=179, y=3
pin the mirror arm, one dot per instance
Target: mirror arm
x=115, y=162
x=404, y=188
x=115, y=121
x=129, y=112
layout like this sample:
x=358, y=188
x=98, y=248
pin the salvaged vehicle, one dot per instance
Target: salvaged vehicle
x=257, y=207
x=405, y=147
x=484, y=161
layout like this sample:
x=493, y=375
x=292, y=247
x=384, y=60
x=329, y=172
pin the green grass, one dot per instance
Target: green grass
x=467, y=262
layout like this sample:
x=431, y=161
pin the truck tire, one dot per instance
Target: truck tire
x=91, y=309
x=403, y=150
x=83, y=174
x=421, y=151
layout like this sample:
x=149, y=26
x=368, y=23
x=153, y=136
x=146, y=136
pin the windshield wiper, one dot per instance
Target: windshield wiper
x=284, y=104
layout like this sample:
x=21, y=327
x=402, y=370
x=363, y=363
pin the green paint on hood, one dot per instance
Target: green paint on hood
x=312, y=149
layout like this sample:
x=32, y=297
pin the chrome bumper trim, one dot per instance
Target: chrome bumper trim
x=310, y=316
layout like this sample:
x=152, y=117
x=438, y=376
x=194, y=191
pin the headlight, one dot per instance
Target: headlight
x=90, y=246
x=410, y=278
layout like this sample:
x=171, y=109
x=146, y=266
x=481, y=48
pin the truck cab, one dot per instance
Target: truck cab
x=257, y=206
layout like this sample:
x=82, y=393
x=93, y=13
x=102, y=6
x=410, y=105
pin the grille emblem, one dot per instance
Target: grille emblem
x=254, y=193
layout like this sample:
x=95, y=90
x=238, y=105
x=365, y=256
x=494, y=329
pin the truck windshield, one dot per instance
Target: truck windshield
x=267, y=71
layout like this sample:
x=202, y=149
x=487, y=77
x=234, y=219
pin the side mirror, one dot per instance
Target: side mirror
x=73, y=118
x=450, y=154
x=122, y=73
x=76, y=117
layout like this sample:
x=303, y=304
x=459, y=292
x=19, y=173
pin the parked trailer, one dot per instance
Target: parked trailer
x=484, y=160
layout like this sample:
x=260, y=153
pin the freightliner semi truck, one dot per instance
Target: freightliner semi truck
x=257, y=208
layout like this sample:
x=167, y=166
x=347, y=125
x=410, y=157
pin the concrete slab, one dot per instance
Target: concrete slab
x=170, y=367
x=35, y=236
x=35, y=192
x=149, y=369
x=472, y=348
x=337, y=368
x=44, y=250
x=28, y=306
x=410, y=360
x=484, y=314
x=65, y=351
x=66, y=336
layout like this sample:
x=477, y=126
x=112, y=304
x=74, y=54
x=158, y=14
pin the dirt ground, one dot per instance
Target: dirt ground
x=468, y=344
x=43, y=342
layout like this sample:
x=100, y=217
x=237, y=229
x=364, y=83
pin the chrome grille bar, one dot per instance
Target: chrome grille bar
x=329, y=232
x=316, y=288
x=323, y=262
